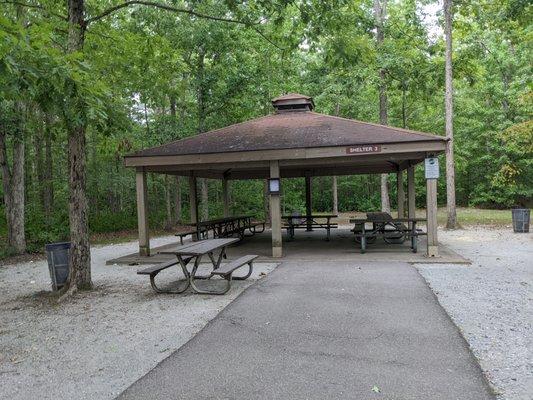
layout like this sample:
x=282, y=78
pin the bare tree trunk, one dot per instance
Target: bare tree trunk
x=39, y=163
x=48, y=187
x=451, y=222
x=80, y=255
x=13, y=186
x=168, y=202
x=380, y=12
x=173, y=106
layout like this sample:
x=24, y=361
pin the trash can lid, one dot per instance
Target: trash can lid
x=57, y=246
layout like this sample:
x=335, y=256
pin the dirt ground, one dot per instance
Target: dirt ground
x=100, y=342
x=491, y=302
x=96, y=345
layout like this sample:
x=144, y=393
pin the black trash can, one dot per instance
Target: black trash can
x=521, y=220
x=57, y=255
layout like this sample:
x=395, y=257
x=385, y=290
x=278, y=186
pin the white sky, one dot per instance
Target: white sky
x=431, y=20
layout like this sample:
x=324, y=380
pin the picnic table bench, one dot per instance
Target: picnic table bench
x=392, y=230
x=294, y=222
x=195, y=251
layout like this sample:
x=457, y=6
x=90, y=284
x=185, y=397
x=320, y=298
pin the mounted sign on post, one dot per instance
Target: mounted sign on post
x=432, y=168
x=274, y=186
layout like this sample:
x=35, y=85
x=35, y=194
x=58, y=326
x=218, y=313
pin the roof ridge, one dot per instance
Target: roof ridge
x=402, y=130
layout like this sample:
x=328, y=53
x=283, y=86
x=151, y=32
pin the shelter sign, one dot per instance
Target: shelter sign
x=432, y=168
x=368, y=148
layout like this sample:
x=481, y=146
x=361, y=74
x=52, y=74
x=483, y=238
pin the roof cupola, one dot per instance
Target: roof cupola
x=293, y=102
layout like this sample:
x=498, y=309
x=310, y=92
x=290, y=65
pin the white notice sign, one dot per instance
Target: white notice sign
x=432, y=168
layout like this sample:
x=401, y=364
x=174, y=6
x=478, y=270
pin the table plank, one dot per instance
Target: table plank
x=201, y=247
x=365, y=220
x=311, y=216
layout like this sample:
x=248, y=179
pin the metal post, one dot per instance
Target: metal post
x=142, y=213
x=275, y=214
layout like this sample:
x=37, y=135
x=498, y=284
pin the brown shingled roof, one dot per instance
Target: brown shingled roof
x=290, y=130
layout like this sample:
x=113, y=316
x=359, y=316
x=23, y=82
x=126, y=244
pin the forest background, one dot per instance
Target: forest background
x=147, y=75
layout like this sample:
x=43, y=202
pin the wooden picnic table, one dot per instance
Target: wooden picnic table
x=228, y=226
x=195, y=251
x=393, y=230
x=309, y=222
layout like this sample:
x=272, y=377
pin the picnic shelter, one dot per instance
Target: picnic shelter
x=294, y=141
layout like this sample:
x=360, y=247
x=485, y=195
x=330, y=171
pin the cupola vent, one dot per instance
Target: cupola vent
x=293, y=102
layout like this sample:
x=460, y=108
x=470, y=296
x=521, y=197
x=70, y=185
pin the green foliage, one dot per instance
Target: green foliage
x=148, y=76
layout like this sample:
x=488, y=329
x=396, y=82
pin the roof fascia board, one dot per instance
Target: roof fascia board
x=283, y=154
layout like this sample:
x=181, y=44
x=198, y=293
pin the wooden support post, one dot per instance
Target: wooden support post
x=308, y=201
x=401, y=194
x=411, y=203
x=431, y=215
x=275, y=214
x=193, y=205
x=225, y=197
x=142, y=213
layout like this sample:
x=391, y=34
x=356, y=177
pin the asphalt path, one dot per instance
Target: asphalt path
x=324, y=330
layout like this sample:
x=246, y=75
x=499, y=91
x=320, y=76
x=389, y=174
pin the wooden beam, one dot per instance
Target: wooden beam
x=308, y=200
x=142, y=213
x=275, y=214
x=400, y=194
x=431, y=215
x=225, y=197
x=411, y=195
x=282, y=154
x=193, y=205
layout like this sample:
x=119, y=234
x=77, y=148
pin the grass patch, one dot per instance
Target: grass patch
x=465, y=216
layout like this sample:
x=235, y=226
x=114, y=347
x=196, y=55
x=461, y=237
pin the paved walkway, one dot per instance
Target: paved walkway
x=324, y=331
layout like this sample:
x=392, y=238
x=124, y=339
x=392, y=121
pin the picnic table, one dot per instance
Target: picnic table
x=309, y=222
x=195, y=252
x=229, y=226
x=392, y=230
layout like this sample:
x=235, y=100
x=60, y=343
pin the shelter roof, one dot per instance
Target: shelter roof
x=295, y=129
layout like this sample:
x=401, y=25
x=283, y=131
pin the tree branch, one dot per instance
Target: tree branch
x=163, y=7
x=166, y=7
x=36, y=6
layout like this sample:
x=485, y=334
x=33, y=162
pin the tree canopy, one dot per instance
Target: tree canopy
x=153, y=71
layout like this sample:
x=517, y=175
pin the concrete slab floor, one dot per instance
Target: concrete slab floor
x=312, y=246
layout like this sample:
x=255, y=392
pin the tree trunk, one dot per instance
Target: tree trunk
x=202, y=112
x=173, y=106
x=13, y=186
x=80, y=256
x=48, y=192
x=168, y=202
x=380, y=12
x=178, y=208
x=39, y=163
x=451, y=222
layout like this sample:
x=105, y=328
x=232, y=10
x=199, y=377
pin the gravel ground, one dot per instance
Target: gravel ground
x=490, y=302
x=98, y=343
